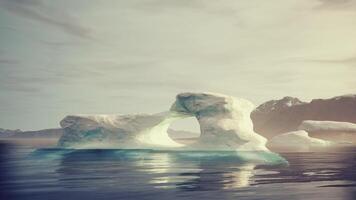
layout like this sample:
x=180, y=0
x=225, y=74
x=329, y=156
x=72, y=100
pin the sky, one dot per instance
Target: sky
x=118, y=56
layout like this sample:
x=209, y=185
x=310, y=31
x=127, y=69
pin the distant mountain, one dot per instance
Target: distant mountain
x=285, y=115
x=45, y=133
x=9, y=133
x=275, y=105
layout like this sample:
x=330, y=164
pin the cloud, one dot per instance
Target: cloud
x=18, y=84
x=174, y=4
x=38, y=11
x=8, y=61
x=345, y=61
x=337, y=4
x=221, y=9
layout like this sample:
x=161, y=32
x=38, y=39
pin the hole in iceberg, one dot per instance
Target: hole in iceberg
x=185, y=131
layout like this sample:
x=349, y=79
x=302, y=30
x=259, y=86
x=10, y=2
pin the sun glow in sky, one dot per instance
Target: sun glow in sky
x=87, y=56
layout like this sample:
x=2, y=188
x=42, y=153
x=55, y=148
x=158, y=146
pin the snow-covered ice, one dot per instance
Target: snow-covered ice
x=225, y=121
x=225, y=124
x=297, y=141
x=327, y=126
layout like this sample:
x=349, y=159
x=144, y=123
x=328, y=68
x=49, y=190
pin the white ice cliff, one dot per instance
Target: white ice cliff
x=297, y=141
x=224, y=122
x=117, y=131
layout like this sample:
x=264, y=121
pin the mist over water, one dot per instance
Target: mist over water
x=45, y=174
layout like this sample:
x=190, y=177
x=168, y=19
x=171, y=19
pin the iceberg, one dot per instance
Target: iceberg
x=224, y=121
x=225, y=125
x=343, y=133
x=297, y=141
x=117, y=131
x=327, y=126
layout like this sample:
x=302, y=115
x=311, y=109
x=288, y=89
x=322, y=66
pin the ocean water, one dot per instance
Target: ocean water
x=55, y=174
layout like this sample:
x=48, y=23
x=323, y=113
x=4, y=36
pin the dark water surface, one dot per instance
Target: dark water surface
x=46, y=174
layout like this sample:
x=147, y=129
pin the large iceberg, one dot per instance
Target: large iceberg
x=224, y=122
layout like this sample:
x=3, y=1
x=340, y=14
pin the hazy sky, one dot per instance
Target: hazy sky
x=134, y=56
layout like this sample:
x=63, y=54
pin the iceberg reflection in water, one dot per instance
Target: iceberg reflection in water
x=146, y=174
x=165, y=169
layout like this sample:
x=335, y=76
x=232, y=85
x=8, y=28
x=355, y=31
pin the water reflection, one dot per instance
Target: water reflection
x=118, y=174
x=158, y=170
x=239, y=178
x=312, y=167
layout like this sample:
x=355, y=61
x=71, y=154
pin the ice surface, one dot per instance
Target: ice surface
x=225, y=121
x=327, y=126
x=297, y=140
x=118, y=131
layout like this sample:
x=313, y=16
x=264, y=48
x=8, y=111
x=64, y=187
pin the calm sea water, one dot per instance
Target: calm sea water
x=46, y=174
